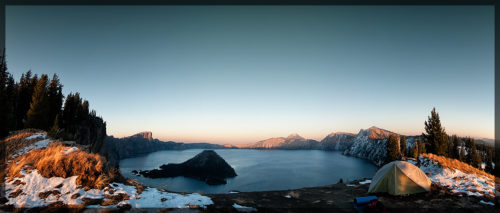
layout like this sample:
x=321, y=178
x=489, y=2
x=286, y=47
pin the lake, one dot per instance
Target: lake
x=258, y=170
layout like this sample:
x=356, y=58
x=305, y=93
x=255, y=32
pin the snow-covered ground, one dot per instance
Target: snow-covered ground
x=365, y=182
x=69, y=150
x=241, y=208
x=39, y=135
x=32, y=184
x=34, y=190
x=38, y=145
x=456, y=180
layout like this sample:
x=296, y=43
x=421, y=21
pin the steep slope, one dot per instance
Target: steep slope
x=457, y=177
x=293, y=141
x=338, y=141
x=370, y=144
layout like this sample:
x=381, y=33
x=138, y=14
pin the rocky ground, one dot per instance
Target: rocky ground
x=339, y=198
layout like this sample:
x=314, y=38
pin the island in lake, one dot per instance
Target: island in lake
x=206, y=166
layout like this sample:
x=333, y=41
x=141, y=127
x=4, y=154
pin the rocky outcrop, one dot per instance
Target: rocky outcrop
x=293, y=141
x=142, y=136
x=115, y=149
x=206, y=166
x=338, y=141
x=376, y=133
x=367, y=148
x=371, y=144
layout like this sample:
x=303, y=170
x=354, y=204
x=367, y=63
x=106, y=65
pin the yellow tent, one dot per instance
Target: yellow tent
x=399, y=178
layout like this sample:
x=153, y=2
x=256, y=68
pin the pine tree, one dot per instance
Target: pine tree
x=454, y=151
x=446, y=145
x=55, y=129
x=403, y=145
x=11, y=94
x=55, y=98
x=415, y=151
x=473, y=157
x=420, y=146
x=24, y=97
x=461, y=156
x=392, y=149
x=39, y=107
x=489, y=160
x=436, y=135
x=4, y=97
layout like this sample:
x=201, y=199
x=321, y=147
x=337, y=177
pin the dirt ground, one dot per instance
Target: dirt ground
x=339, y=198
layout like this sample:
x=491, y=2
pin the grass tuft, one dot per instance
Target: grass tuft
x=456, y=164
x=52, y=162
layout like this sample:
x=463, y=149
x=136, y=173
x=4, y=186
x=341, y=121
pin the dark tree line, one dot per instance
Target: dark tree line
x=436, y=141
x=37, y=102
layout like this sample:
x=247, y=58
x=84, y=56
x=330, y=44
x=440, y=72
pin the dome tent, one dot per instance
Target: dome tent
x=399, y=178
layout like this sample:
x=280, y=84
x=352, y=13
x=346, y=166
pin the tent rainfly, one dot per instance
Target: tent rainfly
x=400, y=178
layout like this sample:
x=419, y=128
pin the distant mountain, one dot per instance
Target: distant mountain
x=371, y=143
x=337, y=141
x=142, y=136
x=115, y=149
x=486, y=141
x=368, y=144
x=376, y=133
x=293, y=141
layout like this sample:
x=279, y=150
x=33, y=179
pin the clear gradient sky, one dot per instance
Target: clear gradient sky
x=236, y=74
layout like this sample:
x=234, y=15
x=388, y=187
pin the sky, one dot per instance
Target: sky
x=240, y=74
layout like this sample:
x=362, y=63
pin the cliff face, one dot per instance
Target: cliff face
x=371, y=144
x=142, y=136
x=115, y=149
x=367, y=148
x=338, y=141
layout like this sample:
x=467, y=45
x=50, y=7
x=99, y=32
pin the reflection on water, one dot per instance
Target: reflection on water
x=258, y=170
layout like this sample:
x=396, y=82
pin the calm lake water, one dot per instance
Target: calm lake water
x=258, y=170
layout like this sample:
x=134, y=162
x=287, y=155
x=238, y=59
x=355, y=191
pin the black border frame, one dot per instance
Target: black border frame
x=494, y=3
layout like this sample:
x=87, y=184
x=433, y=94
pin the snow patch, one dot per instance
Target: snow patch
x=350, y=185
x=38, y=145
x=288, y=196
x=456, y=180
x=69, y=150
x=487, y=203
x=32, y=184
x=40, y=135
x=241, y=208
x=412, y=162
x=365, y=182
